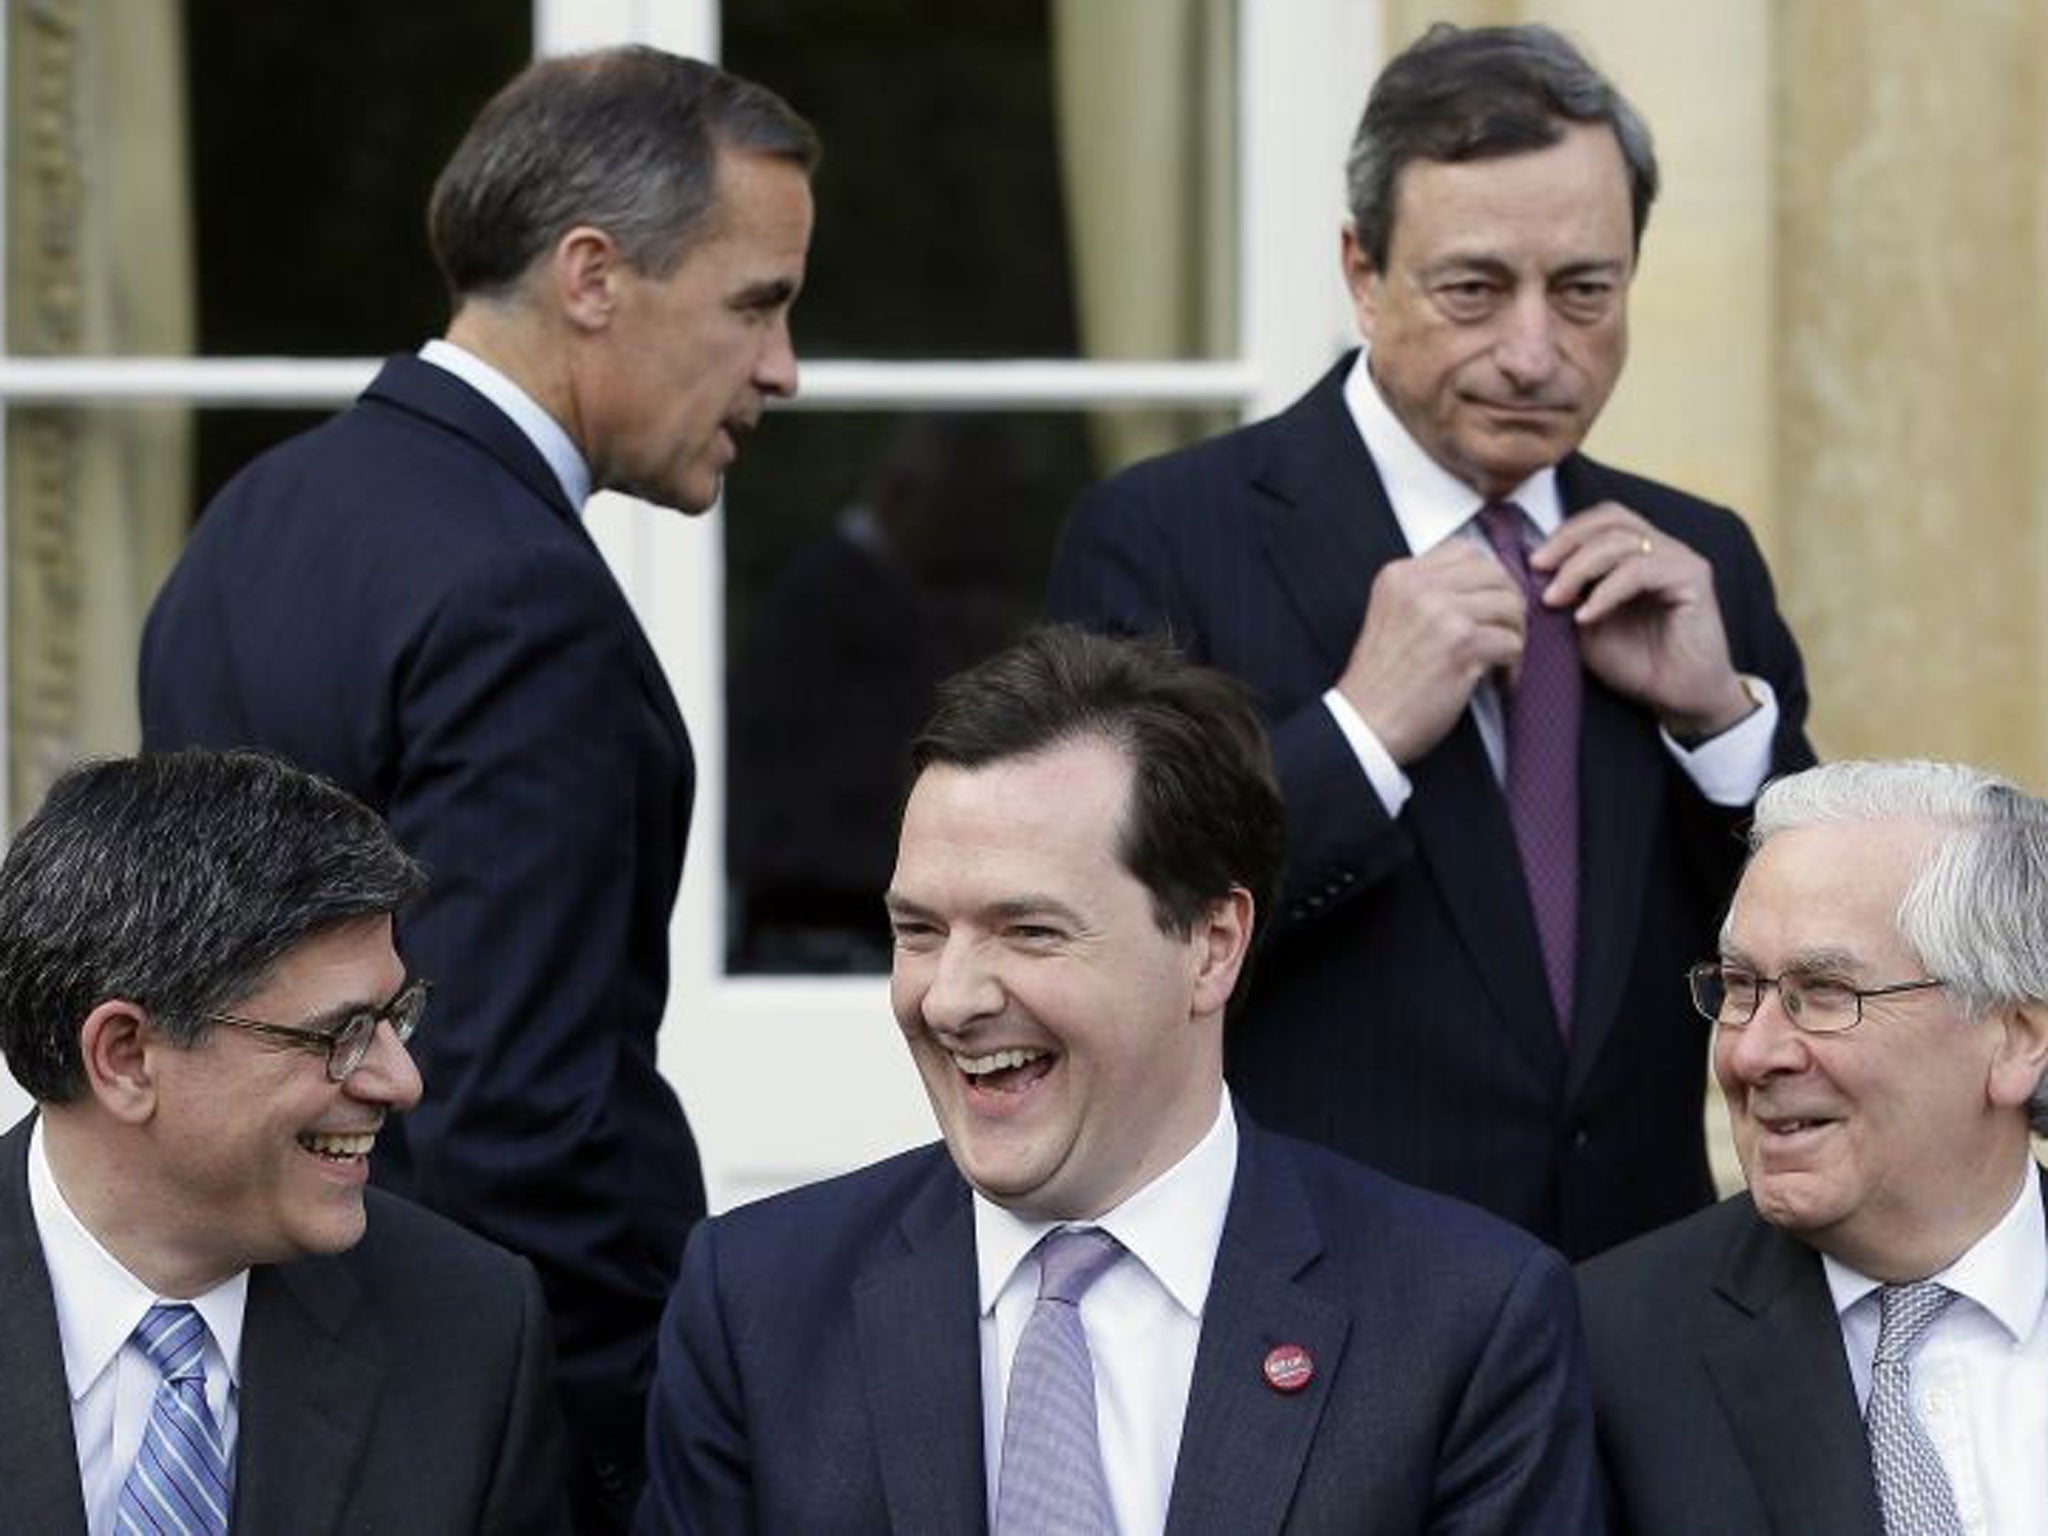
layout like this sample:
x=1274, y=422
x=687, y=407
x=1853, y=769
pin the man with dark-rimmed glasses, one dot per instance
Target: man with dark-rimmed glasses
x=1857, y=1344
x=209, y=1323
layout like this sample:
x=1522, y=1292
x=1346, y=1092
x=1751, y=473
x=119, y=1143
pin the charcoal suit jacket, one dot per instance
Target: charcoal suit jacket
x=400, y=1387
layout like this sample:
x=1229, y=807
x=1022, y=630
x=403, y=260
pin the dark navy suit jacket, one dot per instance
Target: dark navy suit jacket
x=404, y=601
x=821, y=1366
x=401, y=1386
x=1399, y=1010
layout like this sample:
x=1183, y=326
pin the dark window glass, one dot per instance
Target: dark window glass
x=867, y=557
x=949, y=226
x=316, y=134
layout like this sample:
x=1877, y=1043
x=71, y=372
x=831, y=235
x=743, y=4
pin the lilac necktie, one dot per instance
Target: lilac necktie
x=1052, y=1482
x=1541, y=714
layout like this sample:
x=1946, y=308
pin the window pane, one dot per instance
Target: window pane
x=867, y=557
x=1010, y=177
x=316, y=132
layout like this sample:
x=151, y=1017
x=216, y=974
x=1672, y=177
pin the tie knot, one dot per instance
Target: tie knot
x=1072, y=1259
x=1501, y=522
x=1904, y=1312
x=173, y=1338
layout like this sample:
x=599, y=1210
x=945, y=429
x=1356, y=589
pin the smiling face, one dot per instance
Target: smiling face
x=1071, y=1049
x=1500, y=323
x=257, y=1156
x=1895, y=1145
x=688, y=361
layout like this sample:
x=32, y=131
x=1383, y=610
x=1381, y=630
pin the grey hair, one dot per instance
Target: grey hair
x=174, y=881
x=624, y=139
x=1976, y=911
x=1475, y=94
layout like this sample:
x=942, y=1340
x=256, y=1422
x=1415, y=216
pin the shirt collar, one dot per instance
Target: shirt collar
x=2005, y=1271
x=1430, y=503
x=99, y=1301
x=539, y=428
x=1173, y=1225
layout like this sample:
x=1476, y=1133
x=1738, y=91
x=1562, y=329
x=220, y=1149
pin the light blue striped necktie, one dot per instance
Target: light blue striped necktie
x=1052, y=1482
x=179, y=1483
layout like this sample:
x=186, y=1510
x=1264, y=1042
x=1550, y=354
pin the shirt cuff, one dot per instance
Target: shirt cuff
x=1729, y=769
x=1381, y=771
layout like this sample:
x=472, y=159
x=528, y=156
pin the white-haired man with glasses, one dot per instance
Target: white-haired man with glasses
x=208, y=1322
x=1856, y=1345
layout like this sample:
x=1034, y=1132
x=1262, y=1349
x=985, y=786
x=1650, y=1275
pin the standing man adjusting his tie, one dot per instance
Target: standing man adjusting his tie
x=1858, y=1344
x=1109, y=1303
x=1520, y=701
x=208, y=1323
x=405, y=600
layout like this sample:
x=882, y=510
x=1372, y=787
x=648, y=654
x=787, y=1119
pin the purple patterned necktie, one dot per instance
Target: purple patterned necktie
x=1541, y=715
x=1052, y=1483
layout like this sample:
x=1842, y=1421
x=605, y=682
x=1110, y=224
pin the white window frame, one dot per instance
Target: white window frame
x=789, y=1078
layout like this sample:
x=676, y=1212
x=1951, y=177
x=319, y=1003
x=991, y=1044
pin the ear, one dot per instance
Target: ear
x=1222, y=938
x=1362, y=278
x=2021, y=1056
x=117, y=1044
x=585, y=270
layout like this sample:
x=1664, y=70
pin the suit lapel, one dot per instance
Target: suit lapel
x=311, y=1372
x=38, y=1457
x=1622, y=770
x=1328, y=528
x=422, y=389
x=916, y=1316
x=1775, y=1356
x=1255, y=1304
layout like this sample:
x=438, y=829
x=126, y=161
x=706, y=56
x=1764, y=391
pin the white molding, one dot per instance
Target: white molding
x=284, y=382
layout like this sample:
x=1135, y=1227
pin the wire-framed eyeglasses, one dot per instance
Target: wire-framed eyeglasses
x=346, y=1044
x=1729, y=995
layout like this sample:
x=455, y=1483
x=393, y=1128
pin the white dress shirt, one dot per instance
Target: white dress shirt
x=112, y=1383
x=1430, y=504
x=1980, y=1373
x=539, y=428
x=1143, y=1319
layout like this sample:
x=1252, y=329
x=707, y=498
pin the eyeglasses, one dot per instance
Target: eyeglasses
x=1729, y=996
x=347, y=1044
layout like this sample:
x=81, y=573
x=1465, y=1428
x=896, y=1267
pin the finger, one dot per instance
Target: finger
x=1593, y=563
x=1626, y=583
x=1592, y=525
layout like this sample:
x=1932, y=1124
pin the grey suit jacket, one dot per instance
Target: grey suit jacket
x=401, y=1387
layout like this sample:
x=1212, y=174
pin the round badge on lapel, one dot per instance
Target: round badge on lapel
x=1289, y=1368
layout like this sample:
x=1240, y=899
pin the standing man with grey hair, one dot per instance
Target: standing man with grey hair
x=208, y=1322
x=406, y=600
x=1858, y=1344
x=1520, y=701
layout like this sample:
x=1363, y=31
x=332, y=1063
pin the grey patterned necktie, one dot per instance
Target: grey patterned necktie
x=1052, y=1482
x=1911, y=1485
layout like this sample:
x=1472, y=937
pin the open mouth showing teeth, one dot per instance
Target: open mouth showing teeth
x=1005, y=1070
x=340, y=1148
x=1793, y=1127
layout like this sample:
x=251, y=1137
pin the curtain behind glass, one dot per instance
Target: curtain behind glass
x=98, y=262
